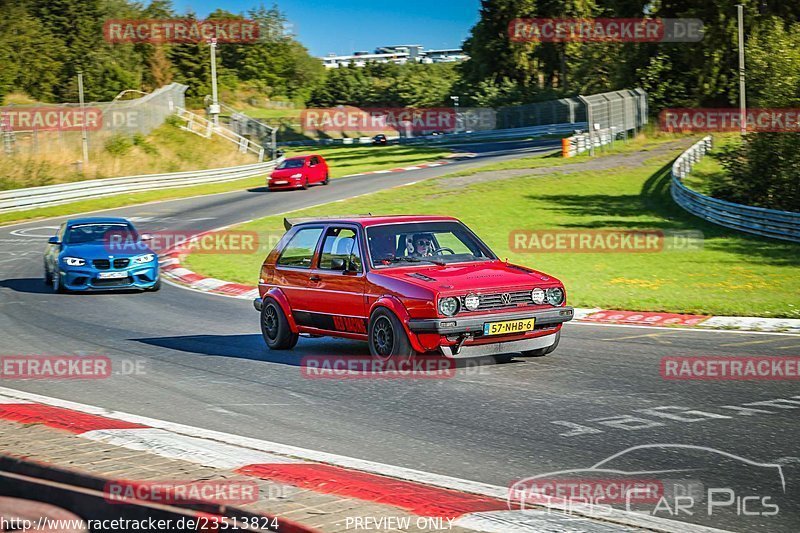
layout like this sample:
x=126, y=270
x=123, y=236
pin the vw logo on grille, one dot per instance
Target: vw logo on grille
x=505, y=298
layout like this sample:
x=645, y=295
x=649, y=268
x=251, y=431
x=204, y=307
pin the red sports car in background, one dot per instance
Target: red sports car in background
x=405, y=284
x=299, y=172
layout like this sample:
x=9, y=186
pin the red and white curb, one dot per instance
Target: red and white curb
x=419, y=166
x=172, y=269
x=463, y=503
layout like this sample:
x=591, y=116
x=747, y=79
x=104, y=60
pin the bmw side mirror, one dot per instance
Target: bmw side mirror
x=53, y=240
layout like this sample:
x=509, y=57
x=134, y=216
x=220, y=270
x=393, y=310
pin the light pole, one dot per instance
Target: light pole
x=455, y=112
x=742, y=104
x=84, y=136
x=213, y=109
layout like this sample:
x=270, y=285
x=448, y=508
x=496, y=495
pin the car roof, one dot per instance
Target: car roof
x=302, y=157
x=368, y=220
x=97, y=220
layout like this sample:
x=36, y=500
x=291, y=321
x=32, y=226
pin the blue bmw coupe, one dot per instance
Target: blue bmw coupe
x=98, y=253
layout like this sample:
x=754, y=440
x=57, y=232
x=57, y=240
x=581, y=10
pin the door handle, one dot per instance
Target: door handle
x=314, y=277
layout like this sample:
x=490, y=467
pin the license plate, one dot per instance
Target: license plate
x=282, y=182
x=508, y=326
x=112, y=275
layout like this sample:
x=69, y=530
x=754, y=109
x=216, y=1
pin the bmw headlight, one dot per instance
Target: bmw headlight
x=74, y=261
x=555, y=296
x=298, y=175
x=472, y=301
x=537, y=295
x=448, y=306
x=141, y=259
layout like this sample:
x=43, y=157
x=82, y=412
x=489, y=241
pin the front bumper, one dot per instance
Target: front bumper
x=474, y=324
x=87, y=278
x=500, y=348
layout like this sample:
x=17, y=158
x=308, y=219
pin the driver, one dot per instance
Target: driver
x=423, y=245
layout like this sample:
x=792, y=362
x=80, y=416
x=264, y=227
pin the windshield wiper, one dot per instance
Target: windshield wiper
x=413, y=260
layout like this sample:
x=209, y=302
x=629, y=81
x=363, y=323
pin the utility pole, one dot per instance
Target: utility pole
x=742, y=103
x=84, y=136
x=455, y=111
x=214, y=108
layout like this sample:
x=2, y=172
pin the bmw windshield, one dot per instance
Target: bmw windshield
x=425, y=242
x=100, y=233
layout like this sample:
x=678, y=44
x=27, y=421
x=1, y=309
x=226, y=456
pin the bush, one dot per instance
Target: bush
x=762, y=171
x=118, y=145
x=141, y=141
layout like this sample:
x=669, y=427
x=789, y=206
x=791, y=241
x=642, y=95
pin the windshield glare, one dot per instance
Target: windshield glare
x=100, y=233
x=291, y=163
x=432, y=242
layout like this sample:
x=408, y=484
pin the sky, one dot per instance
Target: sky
x=344, y=26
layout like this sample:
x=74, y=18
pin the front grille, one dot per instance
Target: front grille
x=101, y=264
x=121, y=263
x=111, y=282
x=495, y=300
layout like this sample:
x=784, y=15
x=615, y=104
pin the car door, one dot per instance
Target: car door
x=314, y=170
x=293, y=266
x=52, y=251
x=337, y=281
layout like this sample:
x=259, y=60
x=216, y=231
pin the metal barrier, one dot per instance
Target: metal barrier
x=784, y=225
x=513, y=133
x=205, y=128
x=48, y=195
x=583, y=142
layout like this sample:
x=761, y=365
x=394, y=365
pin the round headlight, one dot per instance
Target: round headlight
x=555, y=296
x=472, y=301
x=537, y=295
x=448, y=306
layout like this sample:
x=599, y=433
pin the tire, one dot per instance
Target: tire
x=387, y=338
x=48, y=277
x=156, y=287
x=58, y=285
x=541, y=352
x=275, y=327
x=327, y=179
x=304, y=186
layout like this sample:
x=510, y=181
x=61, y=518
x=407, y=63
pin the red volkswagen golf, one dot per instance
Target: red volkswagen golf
x=299, y=172
x=406, y=285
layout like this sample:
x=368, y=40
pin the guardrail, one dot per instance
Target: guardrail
x=48, y=195
x=512, y=133
x=784, y=225
x=205, y=128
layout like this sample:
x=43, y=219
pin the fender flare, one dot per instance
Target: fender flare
x=394, y=305
x=280, y=298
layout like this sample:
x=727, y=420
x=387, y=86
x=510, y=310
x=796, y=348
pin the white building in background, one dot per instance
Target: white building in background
x=398, y=54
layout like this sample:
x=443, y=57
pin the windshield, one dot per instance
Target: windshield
x=100, y=233
x=291, y=163
x=429, y=242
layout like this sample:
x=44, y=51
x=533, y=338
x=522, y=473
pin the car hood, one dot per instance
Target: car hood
x=285, y=172
x=472, y=277
x=104, y=251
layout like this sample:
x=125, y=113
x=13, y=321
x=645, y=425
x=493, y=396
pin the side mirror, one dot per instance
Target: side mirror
x=53, y=240
x=146, y=237
x=338, y=264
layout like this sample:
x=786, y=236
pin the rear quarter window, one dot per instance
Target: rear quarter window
x=299, y=251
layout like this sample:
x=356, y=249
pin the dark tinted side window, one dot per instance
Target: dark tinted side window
x=300, y=249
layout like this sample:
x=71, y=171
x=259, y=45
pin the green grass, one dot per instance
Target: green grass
x=342, y=161
x=733, y=274
x=346, y=160
x=709, y=167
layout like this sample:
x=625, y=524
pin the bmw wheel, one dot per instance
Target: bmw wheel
x=275, y=327
x=387, y=338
